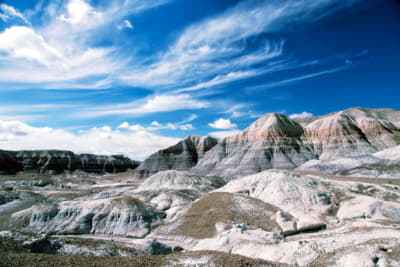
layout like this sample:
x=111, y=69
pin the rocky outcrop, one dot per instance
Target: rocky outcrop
x=181, y=156
x=56, y=161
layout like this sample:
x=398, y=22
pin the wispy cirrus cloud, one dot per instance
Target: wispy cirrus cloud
x=292, y=80
x=216, y=51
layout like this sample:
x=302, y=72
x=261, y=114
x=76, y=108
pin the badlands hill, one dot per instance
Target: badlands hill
x=276, y=141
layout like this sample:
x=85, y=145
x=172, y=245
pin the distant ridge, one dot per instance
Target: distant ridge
x=58, y=161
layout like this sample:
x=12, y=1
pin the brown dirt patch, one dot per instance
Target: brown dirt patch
x=200, y=219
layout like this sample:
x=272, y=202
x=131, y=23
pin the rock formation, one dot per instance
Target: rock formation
x=181, y=156
x=275, y=141
x=56, y=161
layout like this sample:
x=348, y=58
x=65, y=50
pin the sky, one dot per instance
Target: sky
x=133, y=76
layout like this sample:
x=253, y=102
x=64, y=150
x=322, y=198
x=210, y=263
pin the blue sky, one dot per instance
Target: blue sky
x=133, y=76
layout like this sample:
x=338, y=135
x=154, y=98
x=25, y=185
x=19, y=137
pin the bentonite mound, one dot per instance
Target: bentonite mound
x=273, y=141
x=57, y=161
x=121, y=216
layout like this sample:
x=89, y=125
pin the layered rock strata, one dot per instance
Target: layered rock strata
x=181, y=156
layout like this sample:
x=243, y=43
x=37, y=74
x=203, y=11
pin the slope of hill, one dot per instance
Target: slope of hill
x=181, y=156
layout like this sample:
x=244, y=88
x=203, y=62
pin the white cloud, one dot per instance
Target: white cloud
x=186, y=127
x=223, y=134
x=154, y=104
x=10, y=11
x=128, y=24
x=60, y=60
x=80, y=12
x=124, y=125
x=63, y=44
x=156, y=126
x=23, y=42
x=3, y=17
x=222, y=124
x=125, y=24
x=16, y=135
x=301, y=115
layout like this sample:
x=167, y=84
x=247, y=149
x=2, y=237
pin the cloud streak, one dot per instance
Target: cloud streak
x=153, y=104
x=305, y=77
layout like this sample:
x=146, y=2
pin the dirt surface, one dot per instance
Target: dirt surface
x=217, y=259
x=351, y=179
x=13, y=254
